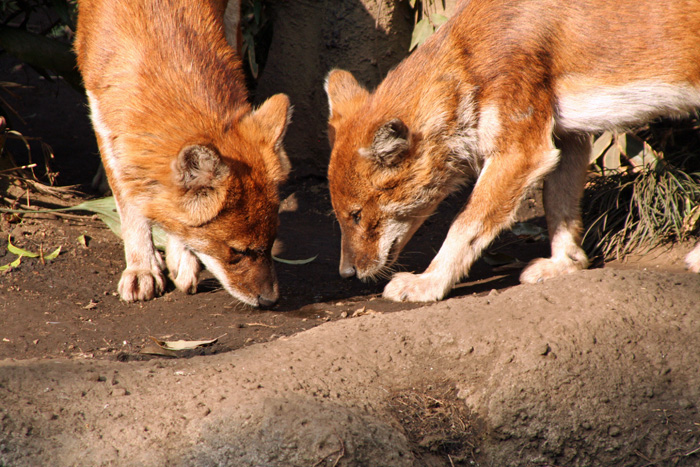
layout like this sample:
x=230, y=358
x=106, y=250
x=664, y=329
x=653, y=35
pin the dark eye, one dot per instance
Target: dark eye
x=356, y=216
x=235, y=256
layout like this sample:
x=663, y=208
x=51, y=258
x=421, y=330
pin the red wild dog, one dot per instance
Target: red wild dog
x=506, y=92
x=181, y=145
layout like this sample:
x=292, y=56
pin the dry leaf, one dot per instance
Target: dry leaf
x=182, y=344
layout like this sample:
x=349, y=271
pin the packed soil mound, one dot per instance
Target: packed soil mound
x=596, y=368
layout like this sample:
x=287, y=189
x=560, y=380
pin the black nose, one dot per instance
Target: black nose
x=266, y=302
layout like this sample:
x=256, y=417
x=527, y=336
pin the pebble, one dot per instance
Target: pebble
x=120, y=392
x=685, y=404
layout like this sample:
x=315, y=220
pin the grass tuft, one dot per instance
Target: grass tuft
x=639, y=210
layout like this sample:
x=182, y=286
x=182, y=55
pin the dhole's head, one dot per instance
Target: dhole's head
x=380, y=190
x=225, y=207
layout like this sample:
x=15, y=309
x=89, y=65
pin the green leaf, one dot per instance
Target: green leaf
x=19, y=251
x=13, y=264
x=251, y=54
x=53, y=255
x=106, y=209
x=438, y=20
x=498, y=259
x=294, y=261
x=257, y=11
x=421, y=32
x=105, y=206
x=160, y=238
x=41, y=52
x=525, y=229
x=113, y=224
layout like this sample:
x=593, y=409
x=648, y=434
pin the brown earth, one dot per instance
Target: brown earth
x=596, y=368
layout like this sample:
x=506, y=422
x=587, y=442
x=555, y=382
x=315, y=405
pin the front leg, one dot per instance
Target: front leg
x=143, y=277
x=183, y=265
x=496, y=196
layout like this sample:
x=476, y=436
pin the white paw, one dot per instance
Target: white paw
x=407, y=287
x=692, y=260
x=141, y=284
x=184, y=269
x=541, y=269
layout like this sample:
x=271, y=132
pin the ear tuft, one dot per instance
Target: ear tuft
x=271, y=120
x=342, y=88
x=198, y=167
x=390, y=143
x=200, y=174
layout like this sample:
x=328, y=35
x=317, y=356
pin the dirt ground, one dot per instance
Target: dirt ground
x=597, y=368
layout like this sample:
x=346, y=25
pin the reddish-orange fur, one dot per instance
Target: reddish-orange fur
x=181, y=145
x=505, y=92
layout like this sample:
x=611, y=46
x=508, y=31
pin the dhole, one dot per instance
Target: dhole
x=181, y=145
x=506, y=92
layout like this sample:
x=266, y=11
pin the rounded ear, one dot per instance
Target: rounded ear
x=270, y=122
x=201, y=175
x=342, y=90
x=390, y=143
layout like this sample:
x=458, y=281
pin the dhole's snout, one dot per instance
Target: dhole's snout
x=252, y=281
x=346, y=268
x=261, y=281
x=256, y=286
x=267, y=290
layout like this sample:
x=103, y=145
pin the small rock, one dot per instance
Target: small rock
x=614, y=431
x=120, y=392
x=359, y=312
x=344, y=314
x=685, y=404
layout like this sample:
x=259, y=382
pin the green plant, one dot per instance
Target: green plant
x=254, y=22
x=39, y=32
x=640, y=198
x=427, y=20
x=106, y=210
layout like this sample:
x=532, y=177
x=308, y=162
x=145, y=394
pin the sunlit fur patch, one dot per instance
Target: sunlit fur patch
x=582, y=106
x=108, y=151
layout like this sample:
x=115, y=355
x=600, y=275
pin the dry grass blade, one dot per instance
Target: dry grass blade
x=639, y=211
x=437, y=422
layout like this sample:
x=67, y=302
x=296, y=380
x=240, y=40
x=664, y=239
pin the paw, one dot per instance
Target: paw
x=184, y=269
x=407, y=287
x=541, y=269
x=692, y=260
x=141, y=284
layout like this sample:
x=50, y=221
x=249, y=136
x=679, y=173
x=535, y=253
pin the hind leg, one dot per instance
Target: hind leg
x=563, y=189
